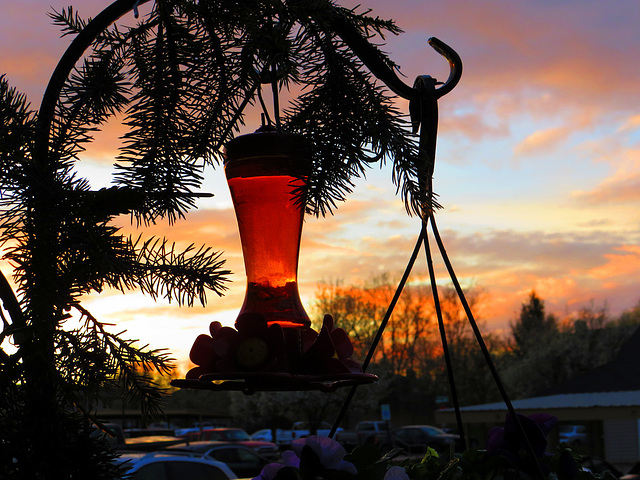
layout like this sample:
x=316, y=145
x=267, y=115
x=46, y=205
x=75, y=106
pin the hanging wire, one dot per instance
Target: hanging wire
x=383, y=325
x=481, y=343
x=265, y=112
x=423, y=108
x=276, y=96
x=443, y=339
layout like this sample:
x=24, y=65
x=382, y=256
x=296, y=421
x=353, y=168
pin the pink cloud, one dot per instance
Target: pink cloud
x=542, y=141
x=619, y=189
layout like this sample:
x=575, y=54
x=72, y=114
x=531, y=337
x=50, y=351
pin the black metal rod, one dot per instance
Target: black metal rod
x=443, y=339
x=383, y=324
x=481, y=343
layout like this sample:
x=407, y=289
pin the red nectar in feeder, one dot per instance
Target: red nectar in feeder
x=266, y=172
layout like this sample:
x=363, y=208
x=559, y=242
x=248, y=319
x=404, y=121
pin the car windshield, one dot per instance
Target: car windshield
x=238, y=435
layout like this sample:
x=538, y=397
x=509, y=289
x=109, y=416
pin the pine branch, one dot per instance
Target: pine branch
x=122, y=361
x=180, y=276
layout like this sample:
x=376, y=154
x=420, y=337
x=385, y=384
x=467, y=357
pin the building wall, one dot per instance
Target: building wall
x=621, y=439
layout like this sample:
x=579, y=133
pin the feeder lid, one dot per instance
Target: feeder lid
x=267, y=142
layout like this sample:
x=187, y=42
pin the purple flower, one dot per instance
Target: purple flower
x=329, y=452
x=269, y=471
x=508, y=441
x=316, y=454
x=396, y=473
x=290, y=459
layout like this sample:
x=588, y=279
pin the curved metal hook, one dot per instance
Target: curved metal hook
x=372, y=59
x=455, y=65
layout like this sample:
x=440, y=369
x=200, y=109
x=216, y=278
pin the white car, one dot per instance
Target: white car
x=573, y=434
x=174, y=466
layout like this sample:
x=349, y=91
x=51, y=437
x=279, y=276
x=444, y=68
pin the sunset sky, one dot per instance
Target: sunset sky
x=538, y=163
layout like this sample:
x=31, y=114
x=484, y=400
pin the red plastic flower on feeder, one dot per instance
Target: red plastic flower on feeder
x=203, y=353
x=328, y=351
x=254, y=346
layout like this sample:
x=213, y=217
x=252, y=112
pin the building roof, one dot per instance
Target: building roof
x=627, y=398
x=567, y=407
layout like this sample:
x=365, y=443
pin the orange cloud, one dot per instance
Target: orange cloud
x=631, y=123
x=619, y=189
x=542, y=140
x=624, y=263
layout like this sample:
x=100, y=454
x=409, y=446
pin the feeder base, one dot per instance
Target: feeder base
x=249, y=383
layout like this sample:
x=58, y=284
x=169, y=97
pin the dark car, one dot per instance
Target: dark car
x=236, y=435
x=243, y=461
x=415, y=439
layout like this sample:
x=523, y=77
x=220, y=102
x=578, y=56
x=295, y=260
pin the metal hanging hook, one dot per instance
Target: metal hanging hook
x=455, y=65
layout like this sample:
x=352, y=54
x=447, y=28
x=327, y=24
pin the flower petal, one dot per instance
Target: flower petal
x=330, y=452
x=327, y=321
x=348, y=467
x=269, y=471
x=195, y=373
x=225, y=340
x=309, y=336
x=290, y=459
x=275, y=338
x=251, y=323
x=214, y=327
x=342, y=343
x=202, y=351
x=319, y=353
x=396, y=473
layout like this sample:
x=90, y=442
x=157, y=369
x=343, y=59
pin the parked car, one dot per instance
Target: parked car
x=298, y=430
x=370, y=432
x=147, y=432
x=115, y=436
x=150, y=443
x=415, y=439
x=244, y=461
x=174, y=466
x=236, y=435
x=573, y=434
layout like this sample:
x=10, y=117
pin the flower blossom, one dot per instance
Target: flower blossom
x=254, y=346
x=396, y=473
x=329, y=452
x=202, y=352
x=322, y=455
x=508, y=441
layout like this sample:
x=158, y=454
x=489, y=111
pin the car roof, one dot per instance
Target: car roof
x=204, y=445
x=137, y=460
x=420, y=426
x=222, y=428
